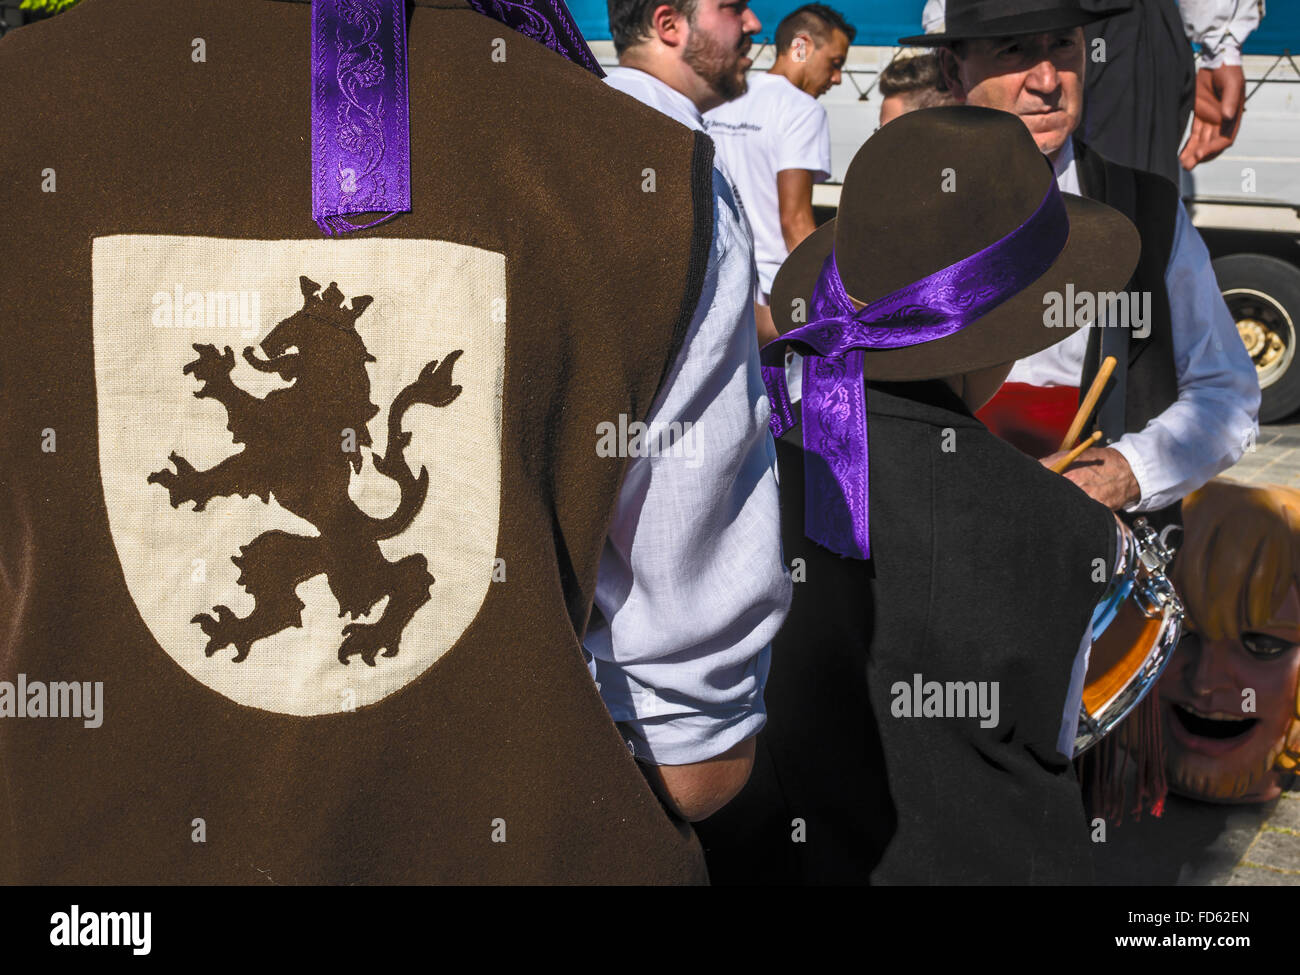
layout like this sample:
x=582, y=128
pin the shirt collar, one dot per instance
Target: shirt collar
x=1067, y=173
x=681, y=108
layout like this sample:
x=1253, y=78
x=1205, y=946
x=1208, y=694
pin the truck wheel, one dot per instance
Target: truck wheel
x=1263, y=295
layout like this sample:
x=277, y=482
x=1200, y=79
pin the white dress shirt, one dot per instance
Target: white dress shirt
x=1214, y=419
x=692, y=585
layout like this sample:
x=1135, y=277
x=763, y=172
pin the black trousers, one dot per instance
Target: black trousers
x=1137, y=102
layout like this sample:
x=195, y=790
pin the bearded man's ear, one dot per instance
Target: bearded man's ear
x=666, y=23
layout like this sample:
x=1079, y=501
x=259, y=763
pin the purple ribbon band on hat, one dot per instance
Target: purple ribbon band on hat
x=834, y=404
x=360, y=112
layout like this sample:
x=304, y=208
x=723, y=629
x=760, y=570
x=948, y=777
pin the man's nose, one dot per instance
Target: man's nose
x=1043, y=77
x=750, y=23
x=836, y=76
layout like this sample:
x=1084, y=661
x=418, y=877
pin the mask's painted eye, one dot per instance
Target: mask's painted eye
x=1264, y=646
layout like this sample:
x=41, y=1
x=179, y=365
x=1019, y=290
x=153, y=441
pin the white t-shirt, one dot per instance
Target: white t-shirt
x=773, y=126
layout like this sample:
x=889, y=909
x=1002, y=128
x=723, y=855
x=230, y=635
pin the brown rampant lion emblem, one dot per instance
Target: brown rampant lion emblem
x=293, y=449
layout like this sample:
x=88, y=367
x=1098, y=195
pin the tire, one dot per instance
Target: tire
x=1263, y=294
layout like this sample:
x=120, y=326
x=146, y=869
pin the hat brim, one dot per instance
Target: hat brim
x=1099, y=256
x=1030, y=23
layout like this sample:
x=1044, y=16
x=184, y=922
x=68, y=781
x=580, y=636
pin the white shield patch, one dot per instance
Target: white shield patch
x=285, y=463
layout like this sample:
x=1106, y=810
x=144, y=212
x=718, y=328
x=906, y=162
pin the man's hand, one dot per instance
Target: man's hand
x=698, y=790
x=1220, y=104
x=1103, y=474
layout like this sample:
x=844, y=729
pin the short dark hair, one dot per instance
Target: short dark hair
x=814, y=19
x=630, y=20
x=918, y=75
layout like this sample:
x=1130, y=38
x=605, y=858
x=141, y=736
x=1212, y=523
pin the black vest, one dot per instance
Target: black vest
x=981, y=570
x=1151, y=203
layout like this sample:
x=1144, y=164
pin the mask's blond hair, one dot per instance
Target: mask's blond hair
x=1239, y=557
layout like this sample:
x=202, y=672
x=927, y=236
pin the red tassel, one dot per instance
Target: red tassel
x=1102, y=770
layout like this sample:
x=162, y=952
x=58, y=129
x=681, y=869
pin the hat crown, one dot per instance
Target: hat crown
x=971, y=19
x=960, y=178
x=960, y=15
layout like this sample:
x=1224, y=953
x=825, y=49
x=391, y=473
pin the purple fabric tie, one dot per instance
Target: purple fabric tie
x=545, y=21
x=360, y=112
x=360, y=109
x=834, y=404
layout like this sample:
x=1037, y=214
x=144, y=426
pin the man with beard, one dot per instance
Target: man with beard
x=682, y=58
x=1229, y=693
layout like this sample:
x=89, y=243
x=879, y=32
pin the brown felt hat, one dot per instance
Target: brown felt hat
x=934, y=187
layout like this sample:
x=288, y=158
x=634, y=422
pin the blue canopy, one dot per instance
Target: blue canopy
x=879, y=22
x=883, y=22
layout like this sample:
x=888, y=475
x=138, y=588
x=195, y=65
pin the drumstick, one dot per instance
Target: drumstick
x=1089, y=401
x=1070, y=458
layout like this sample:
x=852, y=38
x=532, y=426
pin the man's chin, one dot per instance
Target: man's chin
x=729, y=89
x=1050, y=131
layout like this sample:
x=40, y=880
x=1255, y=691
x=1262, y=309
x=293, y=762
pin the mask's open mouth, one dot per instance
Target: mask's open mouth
x=1219, y=727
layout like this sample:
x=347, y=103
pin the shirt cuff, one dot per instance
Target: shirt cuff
x=1139, y=472
x=685, y=738
x=1227, y=53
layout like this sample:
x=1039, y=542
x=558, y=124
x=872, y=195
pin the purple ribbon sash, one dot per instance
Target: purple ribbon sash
x=360, y=112
x=834, y=405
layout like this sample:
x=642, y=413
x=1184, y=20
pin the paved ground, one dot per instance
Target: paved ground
x=1201, y=843
x=1275, y=459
